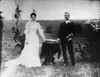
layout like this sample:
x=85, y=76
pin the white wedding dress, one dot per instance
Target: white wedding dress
x=30, y=54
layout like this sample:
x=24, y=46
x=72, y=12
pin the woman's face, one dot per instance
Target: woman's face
x=33, y=17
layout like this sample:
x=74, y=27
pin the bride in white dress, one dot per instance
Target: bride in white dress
x=30, y=54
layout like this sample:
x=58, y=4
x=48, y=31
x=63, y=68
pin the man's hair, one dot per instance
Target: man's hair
x=67, y=13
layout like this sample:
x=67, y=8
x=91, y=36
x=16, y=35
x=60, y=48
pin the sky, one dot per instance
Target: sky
x=52, y=9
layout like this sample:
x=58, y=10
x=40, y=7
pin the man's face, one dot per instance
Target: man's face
x=67, y=16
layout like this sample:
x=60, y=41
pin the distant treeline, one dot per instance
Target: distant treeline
x=50, y=26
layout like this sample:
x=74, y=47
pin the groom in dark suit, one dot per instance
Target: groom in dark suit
x=65, y=33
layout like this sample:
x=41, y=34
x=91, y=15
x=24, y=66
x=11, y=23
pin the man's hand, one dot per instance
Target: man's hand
x=69, y=37
x=58, y=39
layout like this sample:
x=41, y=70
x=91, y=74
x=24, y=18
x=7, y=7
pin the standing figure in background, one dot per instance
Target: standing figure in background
x=1, y=29
x=66, y=31
x=1, y=16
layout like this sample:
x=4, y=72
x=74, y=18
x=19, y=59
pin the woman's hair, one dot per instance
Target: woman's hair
x=33, y=14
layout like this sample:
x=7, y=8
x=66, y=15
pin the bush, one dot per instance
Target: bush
x=48, y=29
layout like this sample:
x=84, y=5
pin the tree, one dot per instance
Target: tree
x=1, y=29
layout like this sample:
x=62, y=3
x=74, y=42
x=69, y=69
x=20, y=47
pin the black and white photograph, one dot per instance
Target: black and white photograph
x=49, y=38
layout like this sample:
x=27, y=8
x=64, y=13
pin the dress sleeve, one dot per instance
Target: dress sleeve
x=41, y=31
x=27, y=29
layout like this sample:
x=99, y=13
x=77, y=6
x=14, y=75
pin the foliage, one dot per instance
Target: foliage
x=51, y=30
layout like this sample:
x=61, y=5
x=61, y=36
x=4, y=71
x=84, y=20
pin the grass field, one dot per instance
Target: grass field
x=82, y=68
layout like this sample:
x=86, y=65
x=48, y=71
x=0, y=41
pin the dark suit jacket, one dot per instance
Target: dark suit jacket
x=66, y=29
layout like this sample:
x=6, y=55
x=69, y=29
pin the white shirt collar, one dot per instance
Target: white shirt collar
x=67, y=21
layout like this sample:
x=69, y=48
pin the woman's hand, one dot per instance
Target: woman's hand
x=44, y=39
x=27, y=42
